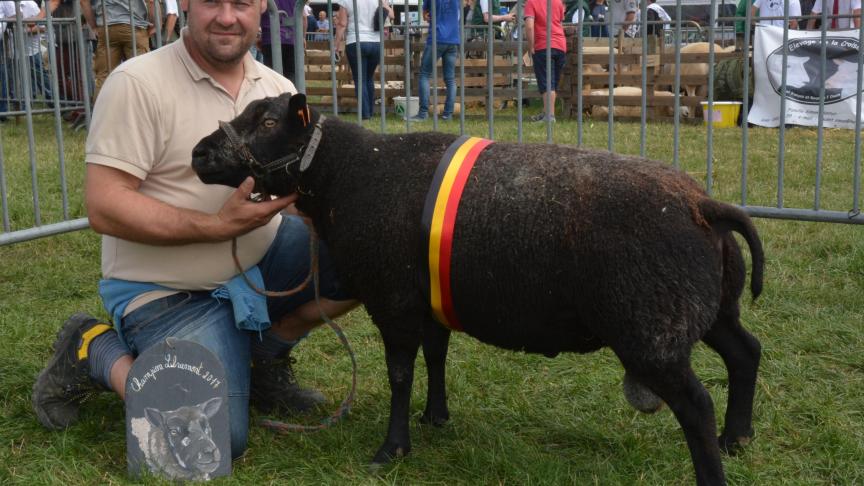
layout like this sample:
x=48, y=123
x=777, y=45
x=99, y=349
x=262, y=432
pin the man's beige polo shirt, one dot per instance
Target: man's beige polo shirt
x=151, y=112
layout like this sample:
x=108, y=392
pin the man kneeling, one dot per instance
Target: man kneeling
x=166, y=245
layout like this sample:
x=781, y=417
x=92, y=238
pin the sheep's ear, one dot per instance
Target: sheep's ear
x=298, y=111
x=153, y=416
x=210, y=407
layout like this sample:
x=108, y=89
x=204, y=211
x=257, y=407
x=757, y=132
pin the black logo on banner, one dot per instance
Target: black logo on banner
x=804, y=69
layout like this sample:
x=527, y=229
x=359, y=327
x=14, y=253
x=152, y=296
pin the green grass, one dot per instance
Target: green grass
x=516, y=419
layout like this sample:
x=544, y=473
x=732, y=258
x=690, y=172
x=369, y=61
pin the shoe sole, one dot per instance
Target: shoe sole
x=63, y=336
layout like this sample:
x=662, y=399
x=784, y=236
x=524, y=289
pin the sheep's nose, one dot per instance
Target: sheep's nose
x=199, y=152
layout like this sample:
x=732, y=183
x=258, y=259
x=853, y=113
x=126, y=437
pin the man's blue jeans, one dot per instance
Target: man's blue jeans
x=40, y=81
x=370, y=57
x=198, y=317
x=447, y=53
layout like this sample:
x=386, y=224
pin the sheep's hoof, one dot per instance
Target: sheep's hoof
x=387, y=453
x=733, y=445
x=435, y=419
x=640, y=397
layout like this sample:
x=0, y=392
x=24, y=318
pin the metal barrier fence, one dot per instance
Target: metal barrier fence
x=677, y=35
x=57, y=84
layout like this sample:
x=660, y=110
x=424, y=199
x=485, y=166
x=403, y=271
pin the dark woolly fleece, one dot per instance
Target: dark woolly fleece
x=555, y=249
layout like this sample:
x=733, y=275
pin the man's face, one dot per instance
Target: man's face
x=222, y=31
x=322, y=15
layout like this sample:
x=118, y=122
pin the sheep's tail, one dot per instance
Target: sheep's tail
x=724, y=218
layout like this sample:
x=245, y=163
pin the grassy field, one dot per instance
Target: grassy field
x=516, y=419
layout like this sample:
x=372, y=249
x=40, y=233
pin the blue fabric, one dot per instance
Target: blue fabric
x=116, y=295
x=539, y=58
x=250, y=307
x=447, y=14
x=103, y=352
x=448, y=54
x=370, y=56
x=40, y=81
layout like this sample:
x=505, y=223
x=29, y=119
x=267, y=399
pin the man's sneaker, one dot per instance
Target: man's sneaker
x=275, y=388
x=446, y=117
x=542, y=118
x=65, y=382
x=419, y=118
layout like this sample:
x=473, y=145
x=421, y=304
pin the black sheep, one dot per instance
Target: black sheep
x=555, y=248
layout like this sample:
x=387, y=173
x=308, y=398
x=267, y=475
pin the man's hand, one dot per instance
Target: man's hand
x=239, y=215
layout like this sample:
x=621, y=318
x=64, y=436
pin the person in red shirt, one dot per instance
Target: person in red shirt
x=536, y=18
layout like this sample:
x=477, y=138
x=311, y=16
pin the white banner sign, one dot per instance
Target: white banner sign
x=804, y=77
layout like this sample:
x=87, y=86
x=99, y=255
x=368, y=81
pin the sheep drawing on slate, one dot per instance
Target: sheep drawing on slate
x=534, y=248
x=180, y=442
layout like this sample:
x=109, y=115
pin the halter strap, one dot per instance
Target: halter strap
x=304, y=154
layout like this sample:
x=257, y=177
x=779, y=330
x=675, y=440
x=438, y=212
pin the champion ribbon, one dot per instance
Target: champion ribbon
x=439, y=218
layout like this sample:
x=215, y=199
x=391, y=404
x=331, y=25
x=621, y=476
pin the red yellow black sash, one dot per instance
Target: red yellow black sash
x=439, y=217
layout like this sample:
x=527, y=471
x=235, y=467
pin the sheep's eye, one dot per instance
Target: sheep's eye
x=269, y=123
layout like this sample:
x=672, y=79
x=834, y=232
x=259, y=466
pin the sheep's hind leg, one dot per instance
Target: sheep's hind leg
x=436, y=339
x=688, y=399
x=741, y=353
x=400, y=349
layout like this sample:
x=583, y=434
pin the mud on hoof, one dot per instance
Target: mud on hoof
x=640, y=397
x=388, y=452
x=733, y=445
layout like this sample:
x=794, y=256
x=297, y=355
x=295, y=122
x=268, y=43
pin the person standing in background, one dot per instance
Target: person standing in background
x=40, y=82
x=323, y=26
x=536, y=20
x=599, y=11
x=774, y=8
x=287, y=39
x=170, y=21
x=124, y=40
x=623, y=14
x=370, y=45
x=838, y=7
x=447, y=48
x=480, y=16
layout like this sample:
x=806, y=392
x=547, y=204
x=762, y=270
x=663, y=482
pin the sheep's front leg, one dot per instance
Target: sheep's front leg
x=400, y=349
x=436, y=339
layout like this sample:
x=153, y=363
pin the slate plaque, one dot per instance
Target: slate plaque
x=177, y=413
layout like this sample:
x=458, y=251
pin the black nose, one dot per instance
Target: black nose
x=199, y=152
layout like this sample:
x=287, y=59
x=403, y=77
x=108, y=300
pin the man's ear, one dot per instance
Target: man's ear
x=298, y=111
x=263, y=6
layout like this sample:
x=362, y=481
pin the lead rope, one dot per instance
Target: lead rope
x=345, y=406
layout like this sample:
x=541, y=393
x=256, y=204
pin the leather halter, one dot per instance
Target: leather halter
x=304, y=153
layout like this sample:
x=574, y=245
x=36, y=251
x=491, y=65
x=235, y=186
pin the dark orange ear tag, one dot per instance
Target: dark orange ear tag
x=302, y=114
x=308, y=115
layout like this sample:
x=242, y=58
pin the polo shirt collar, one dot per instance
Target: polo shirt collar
x=251, y=70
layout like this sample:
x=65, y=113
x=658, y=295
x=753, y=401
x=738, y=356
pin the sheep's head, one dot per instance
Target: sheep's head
x=267, y=141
